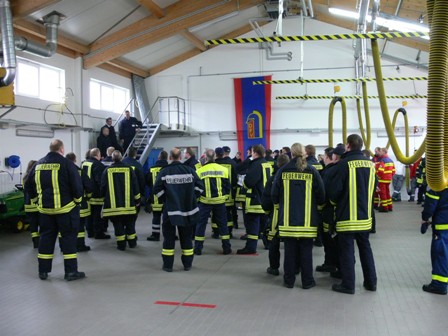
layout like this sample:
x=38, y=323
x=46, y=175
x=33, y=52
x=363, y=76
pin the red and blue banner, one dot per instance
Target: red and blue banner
x=253, y=112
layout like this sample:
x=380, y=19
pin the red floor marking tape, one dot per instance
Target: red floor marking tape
x=169, y=303
x=198, y=305
x=185, y=304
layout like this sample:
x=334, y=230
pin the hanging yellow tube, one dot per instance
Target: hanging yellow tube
x=366, y=134
x=406, y=132
x=330, y=120
x=385, y=112
x=436, y=168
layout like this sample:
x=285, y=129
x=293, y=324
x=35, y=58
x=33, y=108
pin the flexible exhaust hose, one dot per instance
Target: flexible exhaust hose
x=366, y=136
x=406, y=132
x=385, y=112
x=330, y=120
x=436, y=167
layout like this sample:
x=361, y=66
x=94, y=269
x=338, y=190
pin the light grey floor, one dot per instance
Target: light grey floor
x=118, y=297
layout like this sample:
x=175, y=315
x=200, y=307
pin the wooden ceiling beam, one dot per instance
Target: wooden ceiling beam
x=22, y=8
x=129, y=68
x=152, y=7
x=116, y=70
x=189, y=54
x=179, y=16
x=193, y=39
x=70, y=48
x=173, y=61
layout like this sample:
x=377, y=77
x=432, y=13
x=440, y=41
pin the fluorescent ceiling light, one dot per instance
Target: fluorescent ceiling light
x=390, y=23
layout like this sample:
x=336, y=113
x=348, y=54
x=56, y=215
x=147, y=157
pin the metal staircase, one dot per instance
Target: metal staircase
x=172, y=111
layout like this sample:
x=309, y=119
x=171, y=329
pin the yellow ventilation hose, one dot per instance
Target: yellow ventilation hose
x=330, y=120
x=365, y=134
x=437, y=128
x=385, y=112
x=406, y=132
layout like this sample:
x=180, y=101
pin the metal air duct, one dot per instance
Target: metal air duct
x=8, y=56
x=51, y=23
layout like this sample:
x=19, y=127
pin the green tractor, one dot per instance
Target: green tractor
x=12, y=209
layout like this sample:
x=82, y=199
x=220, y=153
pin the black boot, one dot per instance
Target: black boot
x=132, y=243
x=121, y=245
x=155, y=236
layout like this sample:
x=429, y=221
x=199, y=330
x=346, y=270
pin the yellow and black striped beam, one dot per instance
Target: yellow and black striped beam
x=332, y=37
x=336, y=80
x=350, y=97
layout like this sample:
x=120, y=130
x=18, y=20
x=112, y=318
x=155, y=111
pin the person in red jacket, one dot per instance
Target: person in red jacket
x=386, y=171
x=412, y=176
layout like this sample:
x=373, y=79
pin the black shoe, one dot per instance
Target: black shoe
x=74, y=276
x=244, y=237
x=153, y=237
x=287, y=285
x=83, y=248
x=197, y=251
x=43, y=275
x=272, y=271
x=337, y=274
x=187, y=268
x=132, y=243
x=310, y=285
x=340, y=289
x=102, y=236
x=434, y=290
x=411, y=199
x=227, y=251
x=215, y=235
x=383, y=209
x=245, y=250
x=369, y=287
x=121, y=247
x=325, y=268
x=167, y=269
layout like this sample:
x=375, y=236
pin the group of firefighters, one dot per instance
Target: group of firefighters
x=290, y=198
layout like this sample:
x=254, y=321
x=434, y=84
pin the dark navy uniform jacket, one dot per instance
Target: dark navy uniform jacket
x=178, y=187
x=56, y=183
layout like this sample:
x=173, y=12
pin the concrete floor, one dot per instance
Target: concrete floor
x=121, y=291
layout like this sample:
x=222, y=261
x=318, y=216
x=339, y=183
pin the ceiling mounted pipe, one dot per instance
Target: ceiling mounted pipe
x=51, y=23
x=9, y=54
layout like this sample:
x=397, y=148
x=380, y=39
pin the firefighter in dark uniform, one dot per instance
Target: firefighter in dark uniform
x=436, y=208
x=213, y=200
x=311, y=159
x=121, y=192
x=331, y=259
x=191, y=160
x=56, y=183
x=84, y=211
x=272, y=210
x=222, y=158
x=156, y=204
x=32, y=213
x=422, y=185
x=257, y=175
x=352, y=193
x=127, y=129
x=94, y=170
x=176, y=186
x=298, y=190
x=240, y=194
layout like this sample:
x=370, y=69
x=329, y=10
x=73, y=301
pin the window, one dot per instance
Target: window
x=39, y=81
x=108, y=97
